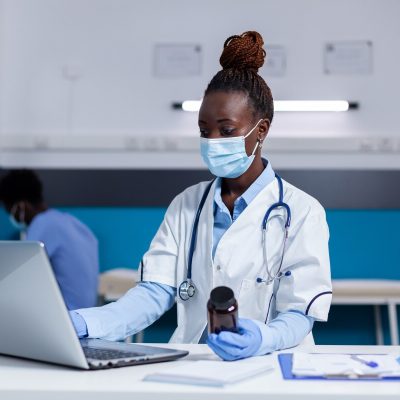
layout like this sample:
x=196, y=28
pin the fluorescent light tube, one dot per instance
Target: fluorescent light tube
x=311, y=105
x=191, y=105
x=286, y=105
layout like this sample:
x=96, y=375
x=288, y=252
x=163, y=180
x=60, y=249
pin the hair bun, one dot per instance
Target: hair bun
x=243, y=52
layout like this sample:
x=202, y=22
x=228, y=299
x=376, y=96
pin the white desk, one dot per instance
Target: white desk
x=21, y=379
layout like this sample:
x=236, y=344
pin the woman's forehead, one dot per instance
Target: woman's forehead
x=225, y=105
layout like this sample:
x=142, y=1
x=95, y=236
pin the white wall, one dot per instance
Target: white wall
x=117, y=105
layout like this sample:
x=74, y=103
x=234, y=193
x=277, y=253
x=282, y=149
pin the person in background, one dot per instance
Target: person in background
x=71, y=246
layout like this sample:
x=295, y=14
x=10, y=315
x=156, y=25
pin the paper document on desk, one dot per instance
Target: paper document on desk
x=211, y=373
x=345, y=365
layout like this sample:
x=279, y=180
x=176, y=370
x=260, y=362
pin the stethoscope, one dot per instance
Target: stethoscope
x=187, y=288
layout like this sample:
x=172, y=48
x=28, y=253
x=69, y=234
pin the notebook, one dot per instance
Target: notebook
x=211, y=373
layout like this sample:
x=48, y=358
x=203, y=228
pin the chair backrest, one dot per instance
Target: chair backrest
x=114, y=283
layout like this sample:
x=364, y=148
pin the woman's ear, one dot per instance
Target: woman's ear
x=263, y=129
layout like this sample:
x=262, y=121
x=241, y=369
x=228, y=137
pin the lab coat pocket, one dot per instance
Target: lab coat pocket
x=254, y=299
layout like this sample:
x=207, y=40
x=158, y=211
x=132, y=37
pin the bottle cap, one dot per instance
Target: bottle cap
x=222, y=298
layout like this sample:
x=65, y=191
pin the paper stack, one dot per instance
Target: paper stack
x=211, y=373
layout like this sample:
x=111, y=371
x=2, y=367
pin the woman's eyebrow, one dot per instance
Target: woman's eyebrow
x=218, y=120
x=225, y=119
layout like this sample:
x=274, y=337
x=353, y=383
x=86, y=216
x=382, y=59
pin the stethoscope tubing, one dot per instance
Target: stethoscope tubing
x=183, y=292
x=193, y=238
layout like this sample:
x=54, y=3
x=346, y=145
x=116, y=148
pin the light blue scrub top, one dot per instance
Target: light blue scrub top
x=73, y=252
x=222, y=217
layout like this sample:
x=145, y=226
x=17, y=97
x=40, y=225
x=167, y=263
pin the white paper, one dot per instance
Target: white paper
x=348, y=58
x=311, y=364
x=211, y=373
x=276, y=61
x=177, y=60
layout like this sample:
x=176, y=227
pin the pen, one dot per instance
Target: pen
x=371, y=364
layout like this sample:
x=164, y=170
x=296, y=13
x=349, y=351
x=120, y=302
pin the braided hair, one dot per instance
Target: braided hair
x=241, y=58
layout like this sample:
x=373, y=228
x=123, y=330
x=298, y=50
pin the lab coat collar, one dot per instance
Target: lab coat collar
x=266, y=177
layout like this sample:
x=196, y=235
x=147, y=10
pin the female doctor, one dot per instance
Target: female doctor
x=247, y=229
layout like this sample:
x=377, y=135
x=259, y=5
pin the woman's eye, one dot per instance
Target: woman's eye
x=222, y=131
x=227, y=131
x=203, y=132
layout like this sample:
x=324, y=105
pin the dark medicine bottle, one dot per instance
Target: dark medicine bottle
x=222, y=310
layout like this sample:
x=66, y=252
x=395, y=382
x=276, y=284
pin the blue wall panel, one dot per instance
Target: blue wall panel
x=124, y=234
x=363, y=244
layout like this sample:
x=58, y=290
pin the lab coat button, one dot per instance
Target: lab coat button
x=218, y=268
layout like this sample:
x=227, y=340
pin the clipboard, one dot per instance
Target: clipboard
x=286, y=361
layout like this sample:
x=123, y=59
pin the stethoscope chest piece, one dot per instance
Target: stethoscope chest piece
x=186, y=290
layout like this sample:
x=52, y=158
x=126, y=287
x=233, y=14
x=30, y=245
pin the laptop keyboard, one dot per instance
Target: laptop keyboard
x=107, y=354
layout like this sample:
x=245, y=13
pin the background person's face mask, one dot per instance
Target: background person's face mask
x=21, y=224
x=227, y=157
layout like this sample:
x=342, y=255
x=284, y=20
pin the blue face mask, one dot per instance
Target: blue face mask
x=227, y=158
x=19, y=225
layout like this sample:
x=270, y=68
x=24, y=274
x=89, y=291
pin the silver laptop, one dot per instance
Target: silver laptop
x=35, y=323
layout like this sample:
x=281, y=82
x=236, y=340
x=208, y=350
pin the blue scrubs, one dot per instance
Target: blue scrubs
x=73, y=252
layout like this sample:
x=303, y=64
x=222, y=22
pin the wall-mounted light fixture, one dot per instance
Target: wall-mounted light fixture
x=286, y=105
x=314, y=105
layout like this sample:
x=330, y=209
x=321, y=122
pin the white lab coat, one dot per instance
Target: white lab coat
x=239, y=258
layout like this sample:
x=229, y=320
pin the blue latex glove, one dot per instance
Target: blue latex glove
x=234, y=346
